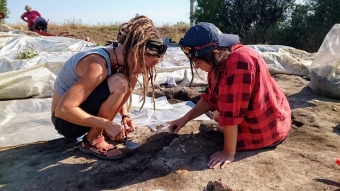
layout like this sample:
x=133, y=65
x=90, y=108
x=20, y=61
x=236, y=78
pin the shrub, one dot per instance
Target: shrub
x=27, y=53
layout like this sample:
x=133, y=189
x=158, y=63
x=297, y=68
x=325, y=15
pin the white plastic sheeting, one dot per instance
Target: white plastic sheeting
x=25, y=78
x=28, y=120
x=284, y=59
x=35, y=81
x=52, y=50
x=325, y=70
x=173, y=71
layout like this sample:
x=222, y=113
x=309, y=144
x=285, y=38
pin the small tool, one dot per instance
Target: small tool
x=129, y=144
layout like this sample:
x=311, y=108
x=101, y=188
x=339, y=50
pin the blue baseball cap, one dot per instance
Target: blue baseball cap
x=204, y=37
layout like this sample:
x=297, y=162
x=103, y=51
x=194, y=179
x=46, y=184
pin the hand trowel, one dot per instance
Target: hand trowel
x=130, y=144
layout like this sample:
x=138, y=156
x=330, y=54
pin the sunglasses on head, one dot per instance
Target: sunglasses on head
x=157, y=45
x=188, y=49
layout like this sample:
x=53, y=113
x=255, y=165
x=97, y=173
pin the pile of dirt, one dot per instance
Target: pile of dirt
x=216, y=186
x=304, y=161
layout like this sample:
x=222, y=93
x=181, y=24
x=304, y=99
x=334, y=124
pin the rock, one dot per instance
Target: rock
x=216, y=186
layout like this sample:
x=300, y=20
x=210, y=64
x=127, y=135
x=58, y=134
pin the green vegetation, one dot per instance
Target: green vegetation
x=101, y=33
x=302, y=25
x=3, y=8
x=27, y=53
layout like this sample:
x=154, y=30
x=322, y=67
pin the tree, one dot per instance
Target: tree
x=208, y=11
x=3, y=8
x=323, y=15
x=241, y=16
x=300, y=25
x=310, y=22
x=295, y=29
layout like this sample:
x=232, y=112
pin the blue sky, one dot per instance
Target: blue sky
x=94, y=12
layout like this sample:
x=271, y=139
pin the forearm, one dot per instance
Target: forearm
x=22, y=18
x=123, y=110
x=230, y=139
x=80, y=117
x=200, y=108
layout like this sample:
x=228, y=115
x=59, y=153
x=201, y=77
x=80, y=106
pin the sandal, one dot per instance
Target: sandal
x=86, y=147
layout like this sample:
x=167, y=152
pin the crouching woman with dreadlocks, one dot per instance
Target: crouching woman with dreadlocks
x=94, y=85
x=251, y=109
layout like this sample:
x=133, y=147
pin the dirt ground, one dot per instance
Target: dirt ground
x=304, y=161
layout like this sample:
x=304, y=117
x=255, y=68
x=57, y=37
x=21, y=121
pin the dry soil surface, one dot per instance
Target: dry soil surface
x=304, y=161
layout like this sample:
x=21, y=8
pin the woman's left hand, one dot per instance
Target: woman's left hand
x=129, y=125
x=221, y=159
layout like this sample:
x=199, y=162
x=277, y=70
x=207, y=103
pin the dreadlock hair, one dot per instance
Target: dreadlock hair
x=133, y=35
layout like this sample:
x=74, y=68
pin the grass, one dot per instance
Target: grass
x=27, y=53
x=100, y=33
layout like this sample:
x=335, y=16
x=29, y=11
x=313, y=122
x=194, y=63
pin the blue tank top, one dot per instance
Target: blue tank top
x=68, y=75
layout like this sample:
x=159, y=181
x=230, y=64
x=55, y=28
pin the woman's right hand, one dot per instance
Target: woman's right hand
x=116, y=131
x=176, y=125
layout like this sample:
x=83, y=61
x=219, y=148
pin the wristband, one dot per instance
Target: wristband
x=125, y=116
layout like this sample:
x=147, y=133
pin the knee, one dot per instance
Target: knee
x=215, y=116
x=118, y=82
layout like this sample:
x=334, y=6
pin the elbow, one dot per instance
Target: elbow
x=60, y=112
x=57, y=113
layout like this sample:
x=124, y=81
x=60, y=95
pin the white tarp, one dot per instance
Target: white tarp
x=173, y=71
x=52, y=50
x=325, y=70
x=285, y=60
x=35, y=81
x=28, y=120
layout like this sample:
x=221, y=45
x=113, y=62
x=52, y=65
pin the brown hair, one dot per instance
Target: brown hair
x=210, y=59
x=133, y=35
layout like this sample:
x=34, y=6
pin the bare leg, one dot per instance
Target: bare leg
x=119, y=89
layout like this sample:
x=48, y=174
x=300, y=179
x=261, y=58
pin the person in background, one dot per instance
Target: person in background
x=40, y=24
x=94, y=85
x=2, y=15
x=251, y=109
x=29, y=17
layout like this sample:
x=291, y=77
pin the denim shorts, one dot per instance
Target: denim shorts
x=91, y=105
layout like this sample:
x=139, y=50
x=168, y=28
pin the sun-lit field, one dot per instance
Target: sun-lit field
x=100, y=33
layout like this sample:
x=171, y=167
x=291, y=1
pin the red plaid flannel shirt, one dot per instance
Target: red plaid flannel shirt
x=246, y=95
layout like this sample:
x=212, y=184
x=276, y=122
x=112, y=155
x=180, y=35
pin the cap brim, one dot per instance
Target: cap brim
x=226, y=40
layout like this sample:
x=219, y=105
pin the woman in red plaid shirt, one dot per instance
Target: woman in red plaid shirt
x=250, y=107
